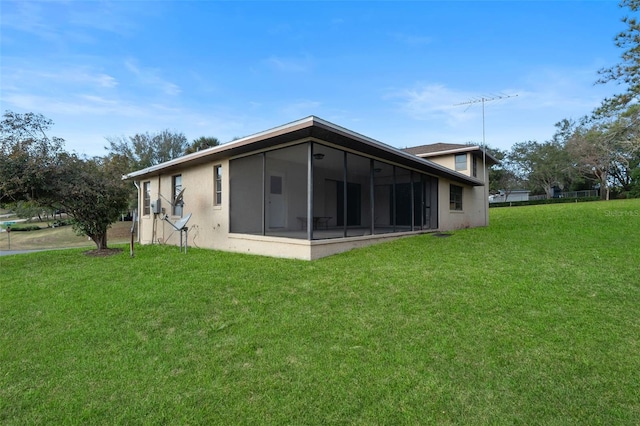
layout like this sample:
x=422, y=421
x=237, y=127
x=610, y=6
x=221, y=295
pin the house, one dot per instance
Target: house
x=512, y=195
x=304, y=190
x=466, y=159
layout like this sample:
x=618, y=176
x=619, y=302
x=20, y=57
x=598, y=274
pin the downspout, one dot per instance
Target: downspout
x=137, y=216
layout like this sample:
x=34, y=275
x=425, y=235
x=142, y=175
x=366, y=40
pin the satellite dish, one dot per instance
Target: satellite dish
x=181, y=226
x=179, y=197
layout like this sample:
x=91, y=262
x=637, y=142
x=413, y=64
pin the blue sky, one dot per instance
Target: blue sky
x=393, y=71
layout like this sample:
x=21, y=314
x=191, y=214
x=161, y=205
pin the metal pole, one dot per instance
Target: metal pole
x=484, y=148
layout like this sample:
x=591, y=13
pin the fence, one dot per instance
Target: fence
x=570, y=194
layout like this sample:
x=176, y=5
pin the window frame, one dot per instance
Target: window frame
x=459, y=164
x=474, y=166
x=455, y=197
x=146, y=198
x=176, y=210
x=217, y=185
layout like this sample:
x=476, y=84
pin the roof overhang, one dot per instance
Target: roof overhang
x=308, y=128
x=476, y=149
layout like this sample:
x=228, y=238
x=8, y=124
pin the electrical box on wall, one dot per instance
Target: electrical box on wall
x=155, y=207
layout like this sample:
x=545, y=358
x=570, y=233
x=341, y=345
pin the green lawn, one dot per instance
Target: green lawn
x=534, y=320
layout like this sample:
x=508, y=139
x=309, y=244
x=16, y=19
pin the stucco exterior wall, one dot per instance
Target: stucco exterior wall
x=473, y=213
x=447, y=161
x=209, y=225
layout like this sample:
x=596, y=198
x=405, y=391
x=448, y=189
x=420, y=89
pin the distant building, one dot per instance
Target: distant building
x=514, y=195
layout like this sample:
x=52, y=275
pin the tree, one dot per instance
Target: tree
x=628, y=70
x=34, y=167
x=502, y=178
x=143, y=150
x=607, y=149
x=92, y=194
x=203, y=142
x=634, y=191
x=26, y=153
x=543, y=165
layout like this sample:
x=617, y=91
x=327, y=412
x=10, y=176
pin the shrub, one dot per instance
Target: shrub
x=546, y=201
x=21, y=228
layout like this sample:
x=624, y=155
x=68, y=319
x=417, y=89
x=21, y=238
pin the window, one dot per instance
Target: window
x=455, y=197
x=146, y=198
x=474, y=165
x=217, y=195
x=176, y=188
x=461, y=162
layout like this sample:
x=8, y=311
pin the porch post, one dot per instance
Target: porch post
x=344, y=194
x=310, y=191
x=264, y=193
x=372, y=194
x=393, y=199
x=413, y=202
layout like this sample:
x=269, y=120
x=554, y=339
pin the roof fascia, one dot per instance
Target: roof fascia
x=307, y=122
x=470, y=148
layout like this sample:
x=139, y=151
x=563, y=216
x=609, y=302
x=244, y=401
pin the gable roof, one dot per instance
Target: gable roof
x=439, y=149
x=311, y=128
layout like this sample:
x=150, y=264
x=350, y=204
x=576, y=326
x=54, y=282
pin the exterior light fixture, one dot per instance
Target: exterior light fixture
x=318, y=156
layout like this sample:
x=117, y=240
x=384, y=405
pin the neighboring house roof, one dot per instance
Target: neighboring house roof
x=314, y=128
x=439, y=149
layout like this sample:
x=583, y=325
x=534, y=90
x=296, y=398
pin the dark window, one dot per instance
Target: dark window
x=146, y=198
x=217, y=197
x=475, y=166
x=176, y=184
x=455, y=197
x=461, y=162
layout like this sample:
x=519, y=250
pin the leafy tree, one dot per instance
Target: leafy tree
x=144, y=150
x=590, y=149
x=543, y=165
x=502, y=177
x=34, y=167
x=203, y=142
x=607, y=150
x=26, y=153
x=92, y=194
x=634, y=190
x=628, y=70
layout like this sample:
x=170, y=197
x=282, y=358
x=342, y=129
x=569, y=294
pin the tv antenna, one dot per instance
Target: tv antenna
x=483, y=100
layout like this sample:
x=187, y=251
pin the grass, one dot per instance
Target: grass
x=64, y=236
x=534, y=320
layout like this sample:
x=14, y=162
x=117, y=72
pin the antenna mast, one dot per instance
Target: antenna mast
x=484, y=100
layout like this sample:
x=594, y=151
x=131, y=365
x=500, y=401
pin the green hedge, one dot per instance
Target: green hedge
x=20, y=228
x=546, y=201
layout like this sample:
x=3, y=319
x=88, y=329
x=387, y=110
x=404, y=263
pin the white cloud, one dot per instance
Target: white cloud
x=300, y=109
x=432, y=101
x=150, y=77
x=412, y=39
x=291, y=65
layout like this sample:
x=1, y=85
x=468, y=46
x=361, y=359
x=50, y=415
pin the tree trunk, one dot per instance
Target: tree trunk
x=100, y=240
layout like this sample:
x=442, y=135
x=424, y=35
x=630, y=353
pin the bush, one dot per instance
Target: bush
x=547, y=201
x=20, y=228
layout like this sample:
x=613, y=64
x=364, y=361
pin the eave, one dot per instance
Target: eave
x=308, y=128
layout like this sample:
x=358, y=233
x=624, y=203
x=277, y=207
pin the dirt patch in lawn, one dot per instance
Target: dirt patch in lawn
x=103, y=252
